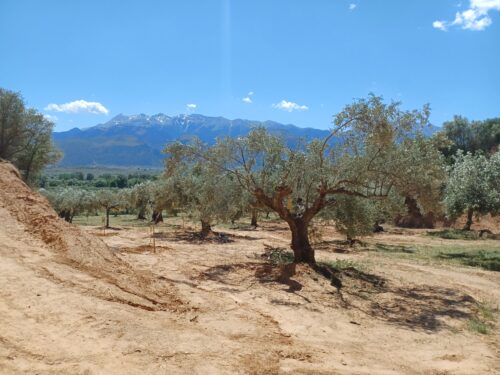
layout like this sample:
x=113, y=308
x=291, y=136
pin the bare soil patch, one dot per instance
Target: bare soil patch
x=73, y=303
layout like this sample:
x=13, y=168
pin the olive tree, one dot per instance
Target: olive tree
x=207, y=193
x=69, y=202
x=109, y=200
x=25, y=136
x=364, y=156
x=421, y=181
x=141, y=198
x=471, y=136
x=473, y=186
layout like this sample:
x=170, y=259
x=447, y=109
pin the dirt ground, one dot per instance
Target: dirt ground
x=69, y=304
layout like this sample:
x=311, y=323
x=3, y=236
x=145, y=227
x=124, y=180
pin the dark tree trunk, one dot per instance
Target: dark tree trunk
x=414, y=218
x=107, y=217
x=377, y=228
x=206, y=229
x=468, y=223
x=302, y=249
x=157, y=217
x=66, y=215
x=140, y=215
x=253, y=223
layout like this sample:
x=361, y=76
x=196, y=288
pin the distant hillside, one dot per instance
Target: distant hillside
x=138, y=140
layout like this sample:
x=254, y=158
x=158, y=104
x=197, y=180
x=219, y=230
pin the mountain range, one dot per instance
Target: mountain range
x=138, y=140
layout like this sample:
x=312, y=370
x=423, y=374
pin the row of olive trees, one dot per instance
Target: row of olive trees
x=373, y=159
x=374, y=164
x=25, y=136
x=70, y=202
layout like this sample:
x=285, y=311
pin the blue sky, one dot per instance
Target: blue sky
x=292, y=61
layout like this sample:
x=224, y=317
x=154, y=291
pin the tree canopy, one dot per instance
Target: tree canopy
x=365, y=156
x=473, y=186
x=25, y=136
x=471, y=136
x=207, y=193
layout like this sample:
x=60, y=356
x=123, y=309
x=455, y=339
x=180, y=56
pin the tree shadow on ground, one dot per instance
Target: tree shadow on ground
x=262, y=273
x=196, y=237
x=381, y=247
x=274, y=228
x=424, y=307
x=141, y=249
x=339, y=246
x=417, y=307
x=221, y=273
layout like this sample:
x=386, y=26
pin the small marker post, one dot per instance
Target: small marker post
x=153, y=237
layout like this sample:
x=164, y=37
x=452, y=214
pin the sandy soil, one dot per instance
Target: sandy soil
x=69, y=304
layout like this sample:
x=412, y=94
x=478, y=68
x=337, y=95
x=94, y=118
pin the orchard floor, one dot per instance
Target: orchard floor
x=401, y=309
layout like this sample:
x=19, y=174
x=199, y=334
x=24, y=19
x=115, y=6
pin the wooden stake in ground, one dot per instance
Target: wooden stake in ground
x=103, y=220
x=153, y=241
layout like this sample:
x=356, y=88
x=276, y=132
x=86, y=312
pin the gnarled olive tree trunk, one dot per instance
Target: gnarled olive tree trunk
x=414, y=217
x=468, y=223
x=206, y=229
x=157, y=217
x=253, y=222
x=108, y=210
x=302, y=249
x=141, y=215
x=298, y=220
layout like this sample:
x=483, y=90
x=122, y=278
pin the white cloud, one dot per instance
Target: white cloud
x=290, y=106
x=248, y=98
x=475, y=18
x=441, y=25
x=352, y=6
x=191, y=106
x=78, y=106
x=50, y=117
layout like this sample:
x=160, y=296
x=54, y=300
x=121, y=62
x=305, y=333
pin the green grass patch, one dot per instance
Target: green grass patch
x=486, y=259
x=455, y=234
x=278, y=256
x=480, y=254
x=114, y=221
x=343, y=264
x=485, y=319
x=394, y=248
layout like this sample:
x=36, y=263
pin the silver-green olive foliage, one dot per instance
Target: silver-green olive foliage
x=473, y=185
x=112, y=200
x=25, y=136
x=471, y=136
x=69, y=202
x=141, y=198
x=366, y=156
x=207, y=193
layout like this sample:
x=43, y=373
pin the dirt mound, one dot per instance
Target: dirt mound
x=76, y=248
